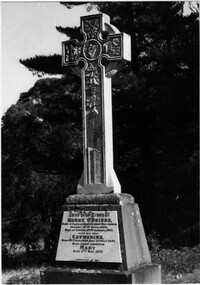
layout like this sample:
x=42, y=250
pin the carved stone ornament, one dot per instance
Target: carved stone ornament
x=100, y=57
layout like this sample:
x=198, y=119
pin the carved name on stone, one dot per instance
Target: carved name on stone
x=89, y=236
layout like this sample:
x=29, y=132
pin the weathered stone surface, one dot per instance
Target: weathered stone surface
x=80, y=199
x=136, y=248
x=132, y=244
x=147, y=274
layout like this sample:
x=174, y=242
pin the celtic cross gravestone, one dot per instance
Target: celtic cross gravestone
x=97, y=53
x=101, y=238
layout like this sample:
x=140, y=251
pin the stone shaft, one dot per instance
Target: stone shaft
x=97, y=54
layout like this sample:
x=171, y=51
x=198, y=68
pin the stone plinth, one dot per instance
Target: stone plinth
x=102, y=240
x=147, y=274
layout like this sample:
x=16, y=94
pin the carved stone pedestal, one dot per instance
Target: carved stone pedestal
x=102, y=240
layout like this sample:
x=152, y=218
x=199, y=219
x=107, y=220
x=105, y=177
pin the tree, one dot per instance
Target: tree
x=41, y=157
x=155, y=98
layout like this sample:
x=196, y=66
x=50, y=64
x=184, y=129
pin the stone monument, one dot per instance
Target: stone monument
x=101, y=237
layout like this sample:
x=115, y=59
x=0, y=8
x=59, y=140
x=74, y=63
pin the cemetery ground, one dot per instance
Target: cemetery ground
x=179, y=266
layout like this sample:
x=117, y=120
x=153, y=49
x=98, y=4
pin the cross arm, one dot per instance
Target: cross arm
x=71, y=52
x=118, y=46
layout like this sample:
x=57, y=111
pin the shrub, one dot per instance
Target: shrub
x=174, y=261
x=6, y=257
x=14, y=256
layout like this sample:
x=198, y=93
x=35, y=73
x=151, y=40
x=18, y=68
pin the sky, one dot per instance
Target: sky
x=28, y=29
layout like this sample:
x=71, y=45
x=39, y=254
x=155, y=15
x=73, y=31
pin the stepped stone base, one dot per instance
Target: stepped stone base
x=146, y=274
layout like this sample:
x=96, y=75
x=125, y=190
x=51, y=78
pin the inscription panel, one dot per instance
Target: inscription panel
x=90, y=236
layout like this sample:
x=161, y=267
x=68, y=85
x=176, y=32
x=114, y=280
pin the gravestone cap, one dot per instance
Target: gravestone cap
x=120, y=199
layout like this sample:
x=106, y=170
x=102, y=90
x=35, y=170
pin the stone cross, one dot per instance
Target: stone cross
x=95, y=58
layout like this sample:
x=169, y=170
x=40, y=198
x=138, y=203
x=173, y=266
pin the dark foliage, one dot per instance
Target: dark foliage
x=42, y=159
x=45, y=64
x=73, y=33
x=15, y=261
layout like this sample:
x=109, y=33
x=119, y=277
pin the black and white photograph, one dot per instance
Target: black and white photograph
x=100, y=142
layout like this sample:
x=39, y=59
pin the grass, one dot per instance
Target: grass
x=26, y=275
x=31, y=275
x=178, y=267
x=187, y=278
